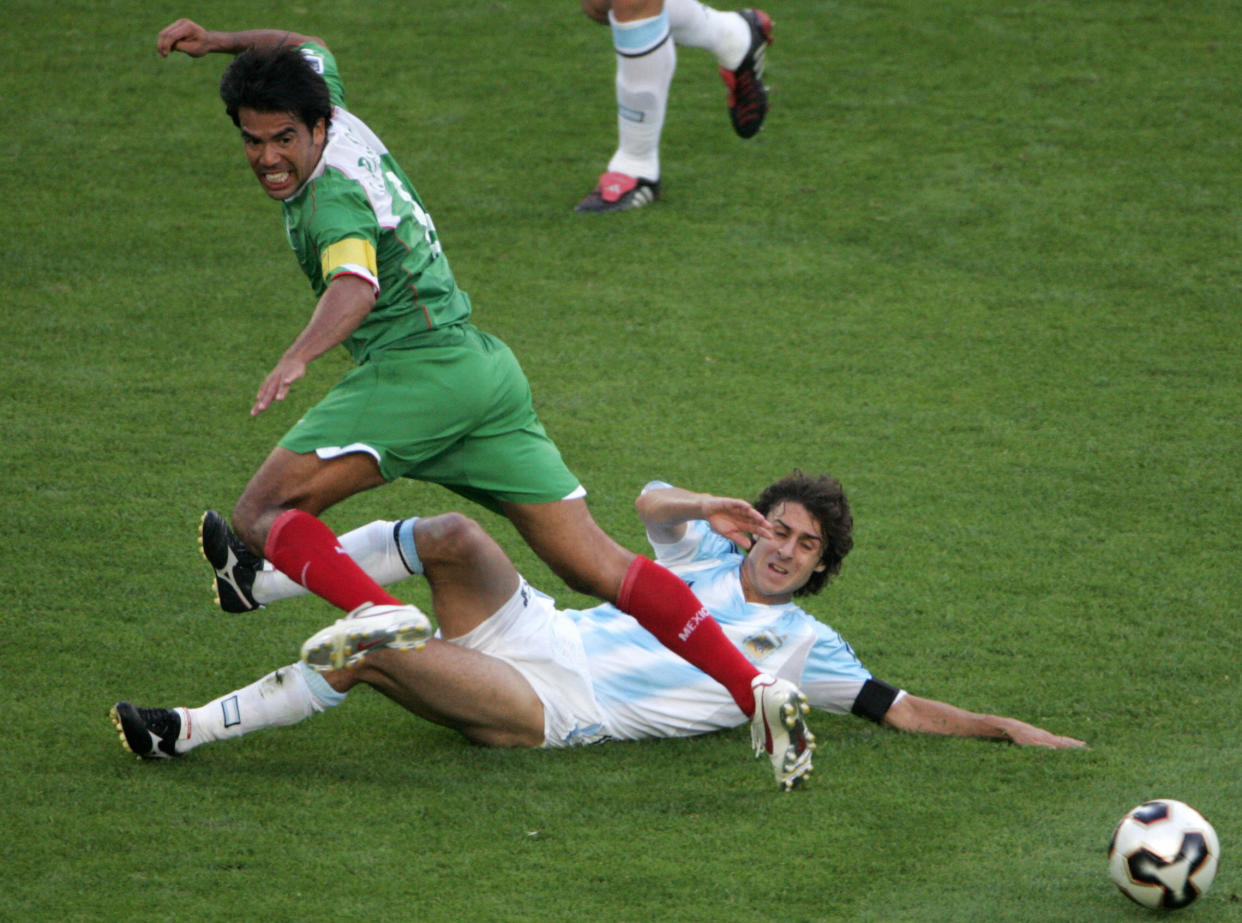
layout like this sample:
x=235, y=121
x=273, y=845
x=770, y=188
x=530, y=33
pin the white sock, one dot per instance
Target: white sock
x=726, y=35
x=384, y=549
x=646, y=60
x=285, y=696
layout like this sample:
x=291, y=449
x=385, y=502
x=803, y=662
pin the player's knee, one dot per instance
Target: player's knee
x=597, y=10
x=450, y=538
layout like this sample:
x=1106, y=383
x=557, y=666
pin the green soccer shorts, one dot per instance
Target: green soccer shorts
x=456, y=411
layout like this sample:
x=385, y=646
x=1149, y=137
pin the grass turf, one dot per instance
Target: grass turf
x=981, y=265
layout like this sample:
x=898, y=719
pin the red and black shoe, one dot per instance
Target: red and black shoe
x=617, y=192
x=748, y=97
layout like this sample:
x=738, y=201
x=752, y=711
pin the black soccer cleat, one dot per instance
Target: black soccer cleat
x=616, y=192
x=150, y=733
x=235, y=564
x=748, y=97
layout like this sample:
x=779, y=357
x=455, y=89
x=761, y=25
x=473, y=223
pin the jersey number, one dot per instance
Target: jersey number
x=421, y=216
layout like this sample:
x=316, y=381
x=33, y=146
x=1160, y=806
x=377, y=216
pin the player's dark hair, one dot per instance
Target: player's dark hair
x=275, y=79
x=825, y=500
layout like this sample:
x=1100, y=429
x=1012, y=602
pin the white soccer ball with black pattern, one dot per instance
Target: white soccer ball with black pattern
x=1163, y=854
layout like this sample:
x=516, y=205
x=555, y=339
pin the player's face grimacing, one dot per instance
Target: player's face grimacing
x=282, y=151
x=777, y=567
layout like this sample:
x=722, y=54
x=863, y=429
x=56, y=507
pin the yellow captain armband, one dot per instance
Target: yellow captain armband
x=354, y=254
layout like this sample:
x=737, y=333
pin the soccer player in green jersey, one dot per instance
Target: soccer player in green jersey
x=432, y=397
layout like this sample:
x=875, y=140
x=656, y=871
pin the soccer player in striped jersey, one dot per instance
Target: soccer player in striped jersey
x=509, y=669
x=431, y=397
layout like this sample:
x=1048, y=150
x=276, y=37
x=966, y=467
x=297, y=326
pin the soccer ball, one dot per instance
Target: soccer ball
x=1163, y=854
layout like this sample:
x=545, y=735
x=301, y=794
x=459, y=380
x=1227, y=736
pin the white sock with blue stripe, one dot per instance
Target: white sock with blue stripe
x=646, y=59
x=285, y=696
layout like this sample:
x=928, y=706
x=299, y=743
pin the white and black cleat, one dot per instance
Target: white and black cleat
x=235, y=564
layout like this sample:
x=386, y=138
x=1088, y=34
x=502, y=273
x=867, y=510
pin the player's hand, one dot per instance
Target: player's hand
x=1026, y=735
x=736, y=520
x=185, y=36
x=276, y=386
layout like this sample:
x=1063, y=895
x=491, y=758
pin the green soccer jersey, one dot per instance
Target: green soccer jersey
x=358, y=214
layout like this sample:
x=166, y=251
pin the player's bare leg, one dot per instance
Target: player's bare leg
x=469, y=574
x=485, y=699
x=288, y=480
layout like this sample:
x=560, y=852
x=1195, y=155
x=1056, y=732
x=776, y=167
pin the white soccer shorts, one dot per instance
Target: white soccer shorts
x=530, y=634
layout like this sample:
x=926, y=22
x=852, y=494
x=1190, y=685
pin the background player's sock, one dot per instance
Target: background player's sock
x=667, y=608
x=726, y=35
x=646, y=60
x=384, y=549
x=307, y=551
x=285, y=696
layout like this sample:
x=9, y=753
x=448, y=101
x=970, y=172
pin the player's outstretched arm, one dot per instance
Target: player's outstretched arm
x=927, y=716
x=665, y=512
x=190, y=38
x=345, y=304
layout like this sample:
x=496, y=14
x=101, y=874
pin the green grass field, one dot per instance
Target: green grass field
x=982, y=265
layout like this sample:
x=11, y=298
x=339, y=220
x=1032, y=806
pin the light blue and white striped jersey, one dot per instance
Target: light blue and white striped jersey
x=645, y=690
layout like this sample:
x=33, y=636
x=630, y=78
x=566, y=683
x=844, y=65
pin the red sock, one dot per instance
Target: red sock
x=305, y=550
x=667, y=608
